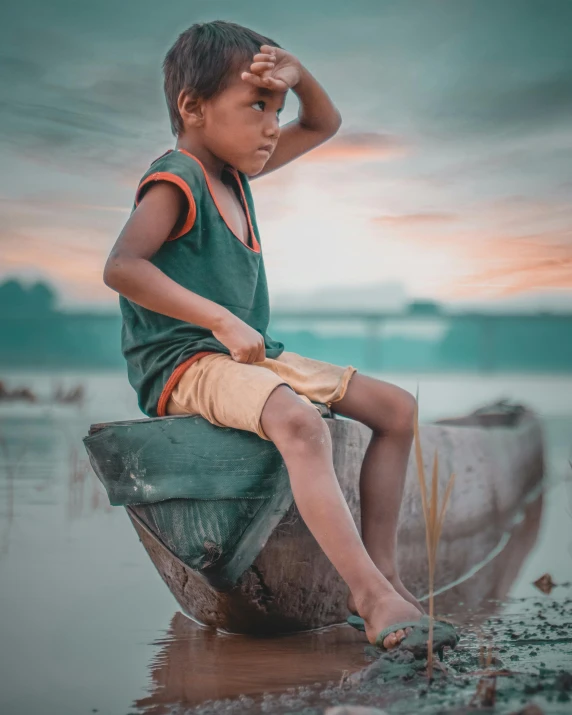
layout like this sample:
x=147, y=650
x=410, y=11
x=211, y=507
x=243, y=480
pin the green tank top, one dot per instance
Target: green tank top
x=207, y=258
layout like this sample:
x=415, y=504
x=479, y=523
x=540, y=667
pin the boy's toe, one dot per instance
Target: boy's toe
x=393, y=639
x=390, y=641
x=417, y=633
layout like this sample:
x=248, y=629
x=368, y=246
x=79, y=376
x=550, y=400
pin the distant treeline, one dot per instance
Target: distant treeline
x=35, y=335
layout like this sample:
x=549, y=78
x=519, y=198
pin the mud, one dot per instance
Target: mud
x=505, y=664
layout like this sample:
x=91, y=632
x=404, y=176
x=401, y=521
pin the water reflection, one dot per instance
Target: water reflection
x=43, y=463
x=483, y=595
x=196, y=664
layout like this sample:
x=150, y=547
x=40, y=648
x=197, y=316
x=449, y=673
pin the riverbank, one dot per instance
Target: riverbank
x=506, y=664
x=515, y=649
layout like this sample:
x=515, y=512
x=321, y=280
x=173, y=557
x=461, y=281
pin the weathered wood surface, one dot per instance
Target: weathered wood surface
x=292, y=585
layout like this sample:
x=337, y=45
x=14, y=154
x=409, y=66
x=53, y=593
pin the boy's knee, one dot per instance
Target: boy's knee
x=397, y=410
x=404, y=411
x=294, y=422
x=303, y=422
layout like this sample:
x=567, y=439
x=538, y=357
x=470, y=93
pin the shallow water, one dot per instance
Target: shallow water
x=87, y=624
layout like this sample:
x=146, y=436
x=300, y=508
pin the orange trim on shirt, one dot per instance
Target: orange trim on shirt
x=254, y=242
x=174, y=379
x=173, y=179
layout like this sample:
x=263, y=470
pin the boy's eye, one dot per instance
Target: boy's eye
x=262, y=104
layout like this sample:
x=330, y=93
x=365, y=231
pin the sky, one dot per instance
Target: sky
x=449, y=179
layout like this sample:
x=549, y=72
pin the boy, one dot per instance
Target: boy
x=189, y=268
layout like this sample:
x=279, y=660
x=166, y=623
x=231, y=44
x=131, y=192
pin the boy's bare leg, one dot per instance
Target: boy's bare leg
x=389, y=412
x=304, y=441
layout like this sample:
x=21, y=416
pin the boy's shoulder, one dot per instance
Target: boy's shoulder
x=178, y=162
x=178, y=168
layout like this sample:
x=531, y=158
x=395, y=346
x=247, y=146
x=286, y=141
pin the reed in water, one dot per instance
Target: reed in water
x=434, y=517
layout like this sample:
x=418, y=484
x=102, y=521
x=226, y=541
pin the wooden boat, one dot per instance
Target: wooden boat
x=496, y=453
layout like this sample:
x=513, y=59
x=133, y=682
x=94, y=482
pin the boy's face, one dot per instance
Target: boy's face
x=240, y=121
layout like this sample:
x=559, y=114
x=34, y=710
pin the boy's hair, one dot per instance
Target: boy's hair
x=203, y=59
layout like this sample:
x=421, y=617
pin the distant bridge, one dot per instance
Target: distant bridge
x=490, y=327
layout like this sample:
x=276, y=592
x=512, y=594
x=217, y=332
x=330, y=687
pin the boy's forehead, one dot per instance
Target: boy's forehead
x=257, y=92
x=265, y=93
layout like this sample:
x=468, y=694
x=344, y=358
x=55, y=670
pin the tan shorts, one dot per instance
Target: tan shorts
x=233, y=394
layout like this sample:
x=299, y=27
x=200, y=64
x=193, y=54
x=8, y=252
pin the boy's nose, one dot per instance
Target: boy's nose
x=272, y=128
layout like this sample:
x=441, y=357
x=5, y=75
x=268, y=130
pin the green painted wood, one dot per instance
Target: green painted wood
x=149, y=461
x=212, y=495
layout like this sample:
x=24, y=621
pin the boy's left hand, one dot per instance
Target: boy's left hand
x=274, y=68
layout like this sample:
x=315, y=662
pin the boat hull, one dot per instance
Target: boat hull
x=497, y=457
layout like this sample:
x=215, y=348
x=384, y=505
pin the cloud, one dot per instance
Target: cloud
x=508, y=265
x=60, y=125
x=406, y=220
x=515, y=209
x=55, y=255
x=62, y=218
x=81, y=106
x=21, y=70
x=512, y=216
x=524, y=107
x=359, y=146
x=61, y=239
x=25, y=206
x=458, y=137
x=506, y=245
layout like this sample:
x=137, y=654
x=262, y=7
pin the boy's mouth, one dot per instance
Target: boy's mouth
x=268, y=148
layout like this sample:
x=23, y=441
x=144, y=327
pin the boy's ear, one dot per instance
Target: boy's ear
x=190, y=109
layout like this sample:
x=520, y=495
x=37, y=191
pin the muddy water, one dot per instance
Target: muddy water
x=86, y=623
x=194, y=665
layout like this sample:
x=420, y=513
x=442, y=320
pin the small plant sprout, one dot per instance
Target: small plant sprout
x=434, y=517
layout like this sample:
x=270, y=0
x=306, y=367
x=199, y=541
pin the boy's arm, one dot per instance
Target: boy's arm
x=130, y=272
x=318, y=119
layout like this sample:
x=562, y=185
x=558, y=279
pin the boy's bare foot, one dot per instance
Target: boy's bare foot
x=390, y=608
x=401, y=590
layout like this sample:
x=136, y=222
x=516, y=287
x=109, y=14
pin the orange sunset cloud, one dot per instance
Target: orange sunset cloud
x=513, y=265
x=406, y=220
x=359, y=146
x=56, y=255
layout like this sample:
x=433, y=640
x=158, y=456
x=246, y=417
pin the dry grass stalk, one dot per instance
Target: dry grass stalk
x=486, y=653
x=345, y=675
x=486, y=694
x=490, y=654
x=434, y=517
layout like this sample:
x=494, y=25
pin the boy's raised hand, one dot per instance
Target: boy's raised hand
x=274, y=68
